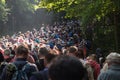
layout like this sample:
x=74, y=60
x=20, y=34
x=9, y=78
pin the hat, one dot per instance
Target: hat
x=113, y=57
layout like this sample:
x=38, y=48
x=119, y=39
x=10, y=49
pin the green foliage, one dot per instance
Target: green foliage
x=22, y=5
x=88, y=11
x=3, y=11
x=97, y=13
x=104, y=38
x=13, y=6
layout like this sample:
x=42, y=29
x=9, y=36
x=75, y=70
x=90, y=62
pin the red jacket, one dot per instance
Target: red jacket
x=96, y=68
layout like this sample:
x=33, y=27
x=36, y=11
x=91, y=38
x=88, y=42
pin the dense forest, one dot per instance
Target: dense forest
x=101, y=17
x=22, y=15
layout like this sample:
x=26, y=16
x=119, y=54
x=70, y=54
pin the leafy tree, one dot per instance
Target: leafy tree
x=104, y=14
x=21, y=13
x=3, y=11
x=86, y=10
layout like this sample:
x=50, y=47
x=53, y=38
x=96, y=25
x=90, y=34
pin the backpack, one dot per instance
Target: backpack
x=2, y=66
x=17, y=74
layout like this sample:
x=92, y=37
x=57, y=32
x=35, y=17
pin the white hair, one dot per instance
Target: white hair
x=113, y=57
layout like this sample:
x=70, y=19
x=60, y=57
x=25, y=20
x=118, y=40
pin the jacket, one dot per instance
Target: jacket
x=20, y=62
x=113, y=73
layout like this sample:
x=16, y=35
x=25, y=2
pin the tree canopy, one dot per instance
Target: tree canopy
x=88, y=11
x=21, y=15
x=104, y=14
x=3, y=10
x=8, y=7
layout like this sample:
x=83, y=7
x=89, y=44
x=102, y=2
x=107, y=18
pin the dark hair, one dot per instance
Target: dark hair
x=1, y=57
x=66, y=68
x=49, y=57
x=73, y=50
x=43, y=51
x=22, y=50
x=80, y=54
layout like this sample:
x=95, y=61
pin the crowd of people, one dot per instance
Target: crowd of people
x=56, y=52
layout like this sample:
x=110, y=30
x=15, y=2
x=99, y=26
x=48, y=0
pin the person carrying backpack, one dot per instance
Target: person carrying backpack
x=2, y=63
x=20, y=69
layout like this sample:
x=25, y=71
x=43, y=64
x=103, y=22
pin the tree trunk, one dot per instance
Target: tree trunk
x=115, y=32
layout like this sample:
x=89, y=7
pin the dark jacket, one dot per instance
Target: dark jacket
x=42, y=75
x=20, y=62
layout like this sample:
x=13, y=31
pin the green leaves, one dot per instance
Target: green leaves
x=3, y=11
x=23, y=5
x=88, y=11
x=16, y=6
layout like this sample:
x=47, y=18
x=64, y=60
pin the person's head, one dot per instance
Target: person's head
x=93, y=57
x=66, y=68
x=72, y=51
x=113, y=58
x=48, y=58
x=98, y=50
x=43, y=51
x=22, y=51
x=7, y=53
x=80, y=54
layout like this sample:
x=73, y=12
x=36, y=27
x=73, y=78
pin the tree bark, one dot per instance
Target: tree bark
x=115, y=32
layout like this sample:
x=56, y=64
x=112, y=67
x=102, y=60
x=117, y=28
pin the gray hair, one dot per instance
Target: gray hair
x=113, y=57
